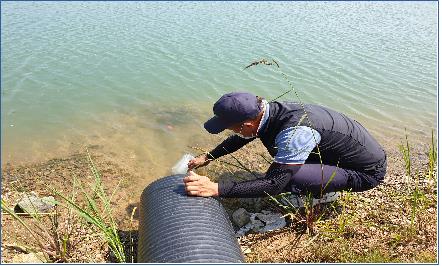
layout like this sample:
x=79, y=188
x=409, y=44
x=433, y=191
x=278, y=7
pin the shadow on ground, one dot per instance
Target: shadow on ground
x=130, y=243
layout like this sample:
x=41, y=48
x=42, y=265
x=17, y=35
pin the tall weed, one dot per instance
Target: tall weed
x=98, y=212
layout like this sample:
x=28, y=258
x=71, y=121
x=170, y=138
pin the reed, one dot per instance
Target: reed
x=54, y=241
x=272, y=62
x=35, y=231
x=417, y=199
x=98, y=212
x=344, y=219
x=131, y=245
x=312, y=213
x=432, y=158
x=405, y=150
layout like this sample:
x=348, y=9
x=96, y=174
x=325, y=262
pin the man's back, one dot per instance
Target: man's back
x=344, y=142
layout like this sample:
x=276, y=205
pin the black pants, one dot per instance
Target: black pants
x=317, y=180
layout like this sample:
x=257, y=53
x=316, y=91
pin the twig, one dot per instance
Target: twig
x=17, y=247
x=130, y=235
x=27, y=214
x=222, y=161
x=264, y=62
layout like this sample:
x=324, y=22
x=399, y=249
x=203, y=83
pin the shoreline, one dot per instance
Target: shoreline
x=388, y=141
x=172, y=126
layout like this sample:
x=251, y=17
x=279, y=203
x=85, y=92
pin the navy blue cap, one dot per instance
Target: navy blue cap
x=232, y=108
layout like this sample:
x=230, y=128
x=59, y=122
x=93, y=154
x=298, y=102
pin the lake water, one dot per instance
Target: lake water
x=138, y=79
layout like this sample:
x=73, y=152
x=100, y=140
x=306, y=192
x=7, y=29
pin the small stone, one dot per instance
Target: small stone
x=13, y=178
x=31, y=203
x=241, y=217
x=29, y=258
x=94, y=146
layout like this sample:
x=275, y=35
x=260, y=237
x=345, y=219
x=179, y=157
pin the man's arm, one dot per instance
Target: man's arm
x=294, y=146
x=277, y=178
x=229, y=145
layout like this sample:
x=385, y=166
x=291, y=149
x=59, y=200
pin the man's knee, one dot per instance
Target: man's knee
x=364, y=183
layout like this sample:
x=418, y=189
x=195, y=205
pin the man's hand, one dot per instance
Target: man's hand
x=198, y=185
x=199, y=161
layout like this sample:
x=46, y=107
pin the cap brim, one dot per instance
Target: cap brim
x=215, y=125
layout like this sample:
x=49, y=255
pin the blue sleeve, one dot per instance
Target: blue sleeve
x=295, y=144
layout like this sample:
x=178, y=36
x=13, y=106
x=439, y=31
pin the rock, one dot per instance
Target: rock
x=294, y=201
x=262, y=222
x=277, y=224
x=94, y=147
x=13, y=178
x=255, y=224
x=258, y=204
x=242, y=231
x=31, y=203
x=269, y=217
x=245, y=229
x=254, y=204
x=272, y=221
x=241, y=217
x=300, y=201
x=29, y=258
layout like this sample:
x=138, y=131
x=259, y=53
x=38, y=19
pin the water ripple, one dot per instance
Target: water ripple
x=79, y=60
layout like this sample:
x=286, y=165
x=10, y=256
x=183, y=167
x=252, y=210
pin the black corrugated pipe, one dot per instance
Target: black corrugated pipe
x=176, y=228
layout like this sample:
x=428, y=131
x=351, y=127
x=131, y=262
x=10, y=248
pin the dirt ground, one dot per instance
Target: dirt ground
x=391, y=223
